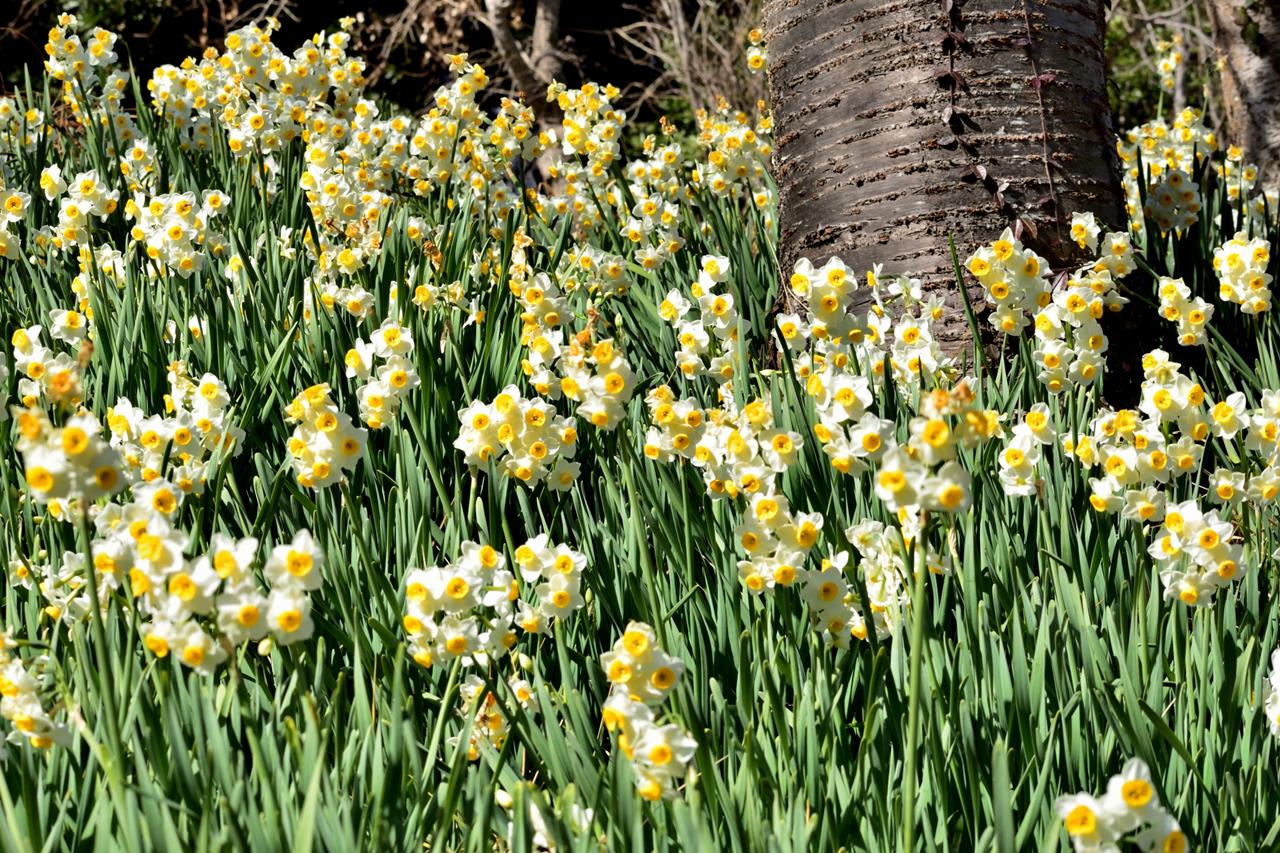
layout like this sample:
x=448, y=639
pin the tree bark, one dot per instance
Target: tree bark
x=900, y=122
x=534, y=70
x=1247, y=36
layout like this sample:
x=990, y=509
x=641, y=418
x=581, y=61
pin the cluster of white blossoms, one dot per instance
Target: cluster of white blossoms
x=1271, y=694
x=556, y=570
x=1070, y=345
x=741, y=455
x=1241, y=265
x=924, y=472
x=641, y=675
x=837, y=606
x=590, y=144
x=490, y=725
x=738, y=149
x=93, y=87
x=652, y=226
x=599, y=379
x=706, y=341
x=196, y=428
x=387, y=383
x=776, y=541
x=325, y=444
x=523, y=438
x=1143, y=452
x=1198, y=553
x=1129, y=809
x=197, y=608
x=1013, y=278
x=20, y=129
x=589, y=369
x=86, y=195
x=737, y=451
x=346, y=182
x=67, y=467
x=1191, y=314
x=49, y=376
x=13, y=210
x=757, y=55
x=469, y=149
x=463, y=609
x=466, y=609
x=1173, y=201
x=176, y=228
x=262, y=97
x=836, y=338
x=1020, y=458
x=20, y=702
x=1150, y=150
x=1171, y=57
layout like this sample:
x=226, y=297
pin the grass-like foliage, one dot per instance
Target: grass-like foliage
x=355, y=494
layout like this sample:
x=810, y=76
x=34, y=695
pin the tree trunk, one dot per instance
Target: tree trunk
x=1248, y=39
x=900, y=122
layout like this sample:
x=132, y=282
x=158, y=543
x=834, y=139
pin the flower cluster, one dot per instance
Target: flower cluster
x=20, y=129
x=1171, y=59
x=837, y=606
x=757, y=56
x=599, y=379
x=71, y=465
x=836, y=339
x=1191, y=314
x=1130, y=805
x=262, y=97
x=1069, y=342
x=175, y=228
x=1013, y=279
x=1021, y=456
x=707, y=343
x=466, y=609
x=524, y=438
x=325, y=444
x=1173, y=201
x=21, y=705
x=1198, y=553
x=557, y=571
x=776, y=541
x=924, y=472
x=386, y=384
x=592, y=127
x=200, y=609
x=738, y=452
x=48, y=376
x=13, y=209
x=92, y=86
x=642, y=675
x=86, y=194
x=490, y=725
x=197, y=608
x=462, y=609
x=737, y=150
x=1241, y=265
x=196, y=428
